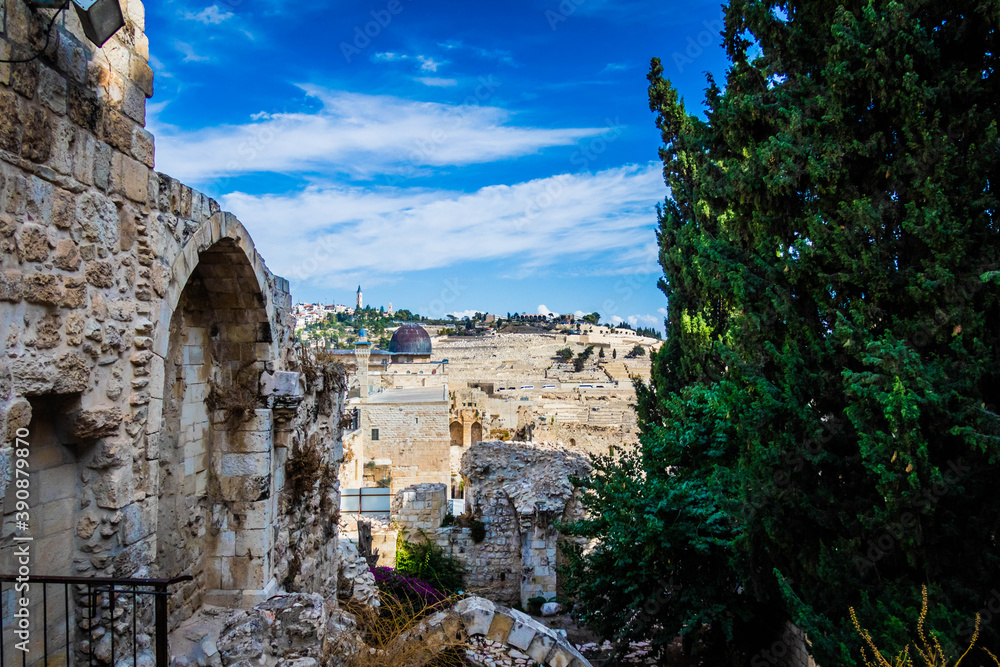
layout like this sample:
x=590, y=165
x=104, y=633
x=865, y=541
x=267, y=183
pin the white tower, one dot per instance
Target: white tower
x=359, y=297
x=362, y=351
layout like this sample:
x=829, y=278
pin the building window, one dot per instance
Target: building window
x=374, y=434
x=416, y=420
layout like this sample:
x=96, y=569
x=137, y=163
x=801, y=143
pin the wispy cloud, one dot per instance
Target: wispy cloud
x=501, y=56
x=596, y=218
x=211, y=15
x=426, y=63
x=436, y=81
x=614, y=67
x=357, y=134
x=389, y=57
x=190, y=56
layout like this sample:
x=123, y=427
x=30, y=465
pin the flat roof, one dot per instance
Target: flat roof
x=411, y=395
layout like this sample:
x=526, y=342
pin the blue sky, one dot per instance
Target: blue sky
x=447, y=156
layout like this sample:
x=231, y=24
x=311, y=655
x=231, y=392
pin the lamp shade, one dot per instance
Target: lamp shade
x=100, y=19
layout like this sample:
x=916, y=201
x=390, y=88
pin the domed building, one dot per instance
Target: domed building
x=410, y=343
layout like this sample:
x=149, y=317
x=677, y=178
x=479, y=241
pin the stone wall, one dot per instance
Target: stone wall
x=521, y=490
x=414, y=436
x=148, y=357
x=420, y=507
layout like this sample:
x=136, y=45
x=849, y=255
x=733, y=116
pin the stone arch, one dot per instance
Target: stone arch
x=477, y=433
x=502, y=629
x=215, y=466
x=456, y=434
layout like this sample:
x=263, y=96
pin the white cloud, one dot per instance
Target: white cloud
x=211, y=15
x=437, y=81
x=324, y=234
x=426, y=63
x=190, y=56
x=614, y=67
x=390, y=57
x=362, y=135
x=542, y=310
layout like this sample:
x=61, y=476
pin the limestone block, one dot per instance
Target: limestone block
x=477, y=614
x=235, y=465
x=97, y=217
x=95, y=423
x=225, y=543
x=34, y=244
x=114, y=489
x=52, y=90
x=139, y=521
x=281, y=383
x=521, y=634
x=66, y=256
x=100, y=274
x=11, y=286
x=252, y=543
x=540, y=647
x=43, y=289
x=500, y=628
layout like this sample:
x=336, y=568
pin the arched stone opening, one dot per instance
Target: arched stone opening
x=477, y=433
x=215, y=443
x=456, y=434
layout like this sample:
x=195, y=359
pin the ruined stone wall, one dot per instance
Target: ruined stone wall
x=147, y=348
x=420, y=507
x=414, y=436
x=520, y=490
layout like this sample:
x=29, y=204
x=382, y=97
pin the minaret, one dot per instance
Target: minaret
x=389, y=312
x=359, y=297
x=362, y=351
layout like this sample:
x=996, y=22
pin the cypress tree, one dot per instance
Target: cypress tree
x=821, y=428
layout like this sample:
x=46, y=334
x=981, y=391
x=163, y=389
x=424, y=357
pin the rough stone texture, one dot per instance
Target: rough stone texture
x=137, y=319
x=420, y=507
x=355, y=579
x=519, y=490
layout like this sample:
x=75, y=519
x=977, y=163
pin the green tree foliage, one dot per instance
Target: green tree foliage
x=564, y=354
x=821, y=427
x=637, y=351
x=592, y=318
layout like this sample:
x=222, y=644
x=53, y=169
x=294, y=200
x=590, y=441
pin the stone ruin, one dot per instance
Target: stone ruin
x=148, y=358
x=519, y=491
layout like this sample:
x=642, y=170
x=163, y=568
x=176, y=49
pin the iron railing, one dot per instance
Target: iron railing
x=87, y=600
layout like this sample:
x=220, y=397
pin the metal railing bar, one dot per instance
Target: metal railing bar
x=90, y=629
x=91, y=581
x=135, y=632
x=66, y=602
x=111, y=623
x=45, y=625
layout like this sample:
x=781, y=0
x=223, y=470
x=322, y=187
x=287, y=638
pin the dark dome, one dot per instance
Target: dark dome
x=410, y=339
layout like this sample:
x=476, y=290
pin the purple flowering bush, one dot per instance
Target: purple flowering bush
x=406, y=587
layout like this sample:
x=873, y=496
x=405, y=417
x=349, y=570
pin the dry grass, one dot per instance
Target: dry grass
x=399, y=634
x=932, y=655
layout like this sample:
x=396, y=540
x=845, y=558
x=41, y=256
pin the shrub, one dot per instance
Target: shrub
x=428, y=562
x=476, y=527
x=406, y=588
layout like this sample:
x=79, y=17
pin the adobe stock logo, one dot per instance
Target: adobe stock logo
x=363, y=36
